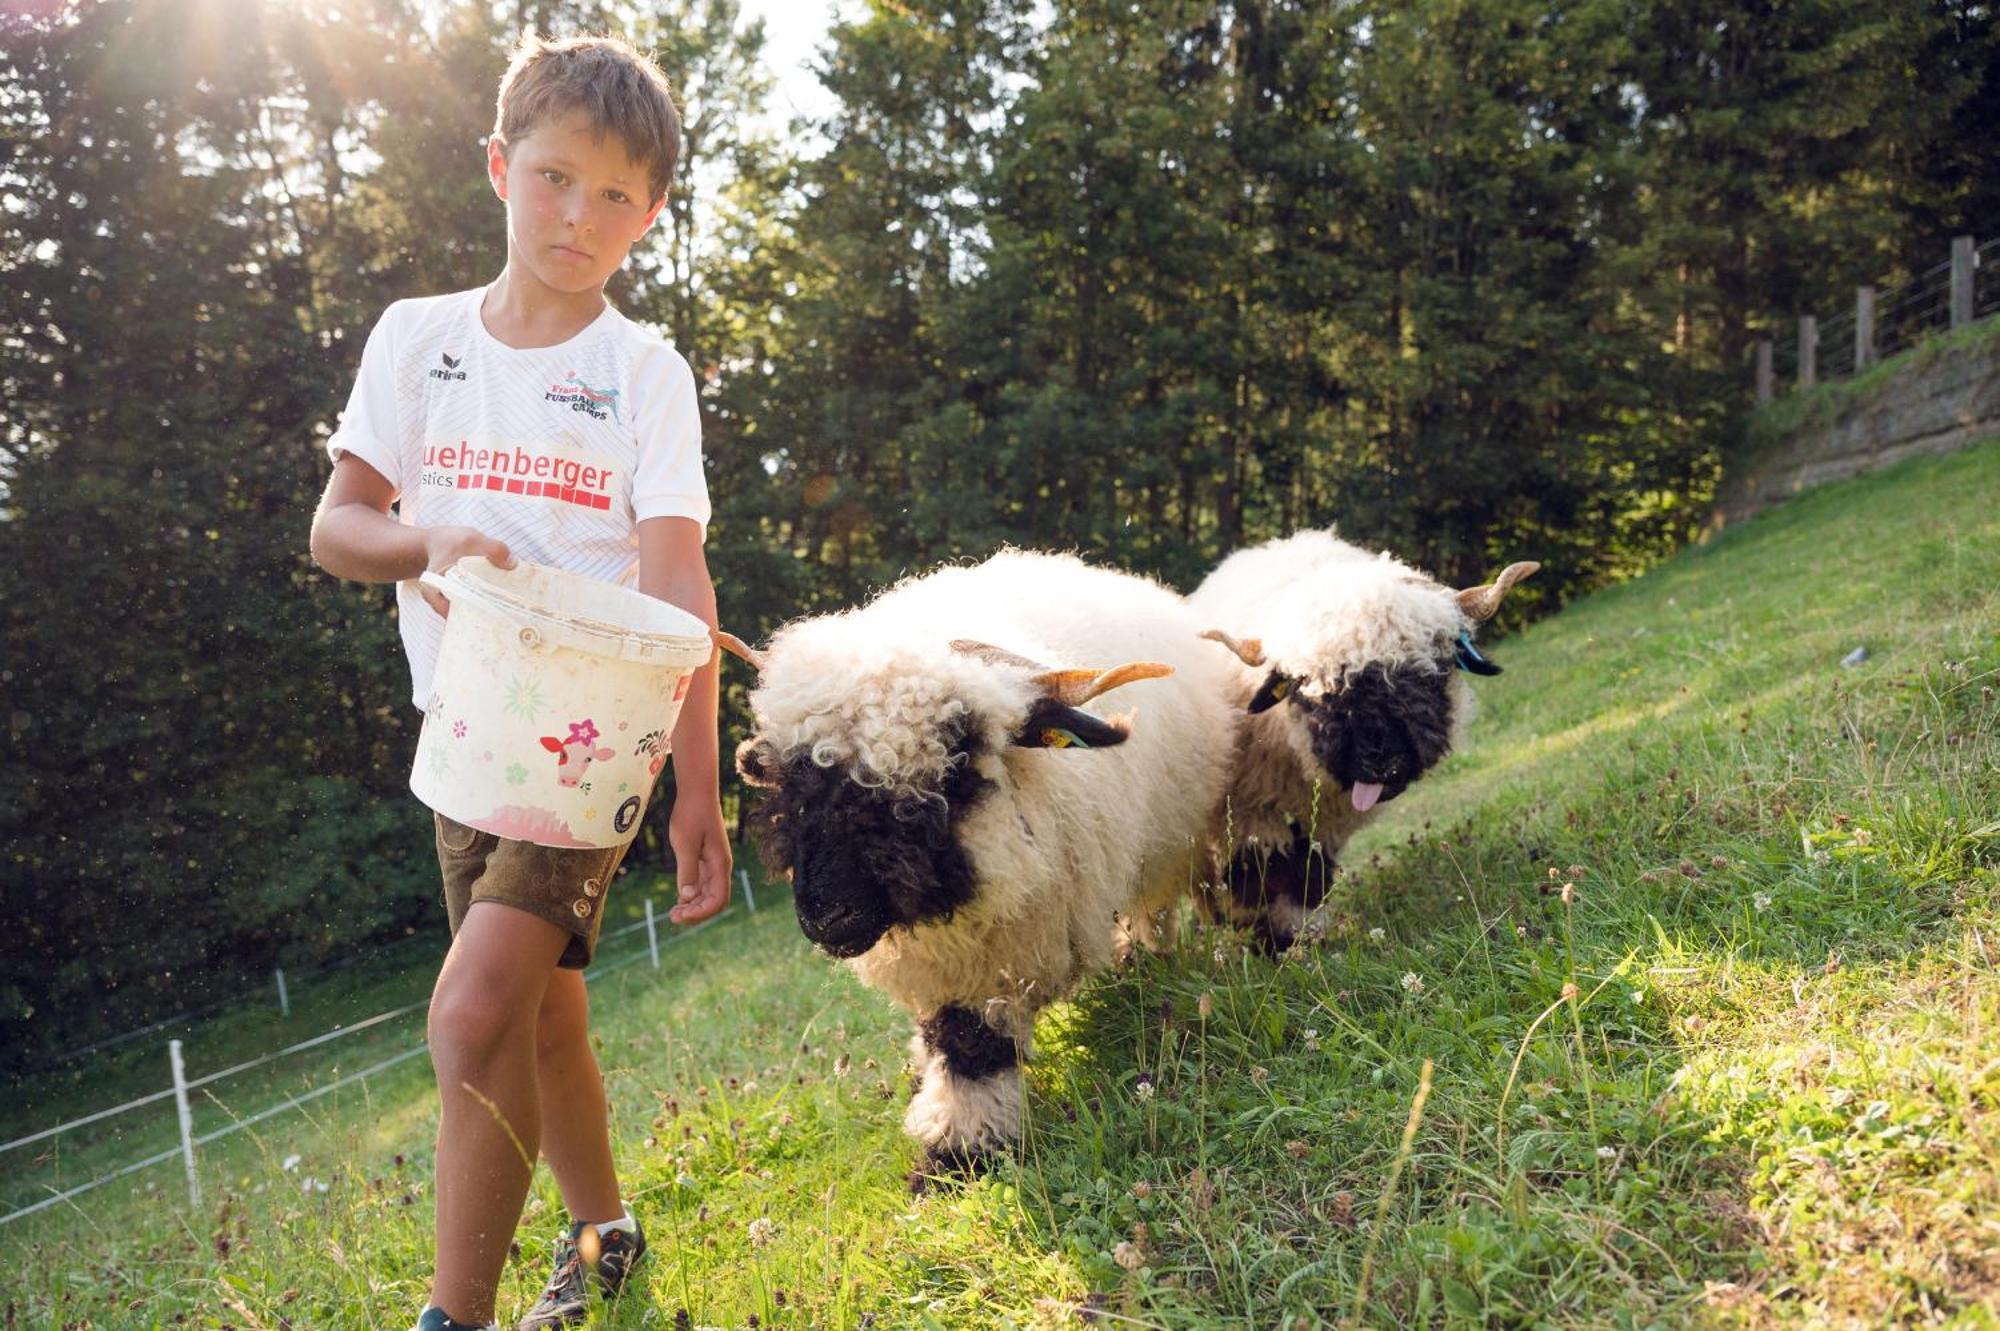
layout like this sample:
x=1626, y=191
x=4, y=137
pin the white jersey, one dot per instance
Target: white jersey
x=558, y=451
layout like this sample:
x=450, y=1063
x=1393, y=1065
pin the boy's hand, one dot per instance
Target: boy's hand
x=445, y=546
x=703, y=859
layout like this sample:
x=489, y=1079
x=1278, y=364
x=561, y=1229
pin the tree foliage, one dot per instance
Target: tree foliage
x=1472, y=278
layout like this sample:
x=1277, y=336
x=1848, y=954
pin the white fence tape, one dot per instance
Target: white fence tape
x=200, y=1082
x=189, y=1140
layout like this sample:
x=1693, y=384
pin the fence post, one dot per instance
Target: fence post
x=1764, y=381
x=1961, y=281
x=187, y=1119
x=652, y=934
x=1864, y=328
x=1808, y=351
x=284, y=999
x=743, y=877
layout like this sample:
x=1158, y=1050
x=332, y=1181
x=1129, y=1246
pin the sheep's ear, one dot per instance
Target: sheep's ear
x=1480, y=603
x=1052, y=725
x=1277, y=687
x=753, y=763
x=1467, y=657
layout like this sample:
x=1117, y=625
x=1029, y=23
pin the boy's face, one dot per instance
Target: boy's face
x=575, y=202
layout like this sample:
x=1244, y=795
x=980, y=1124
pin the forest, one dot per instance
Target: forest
x=1474, y=280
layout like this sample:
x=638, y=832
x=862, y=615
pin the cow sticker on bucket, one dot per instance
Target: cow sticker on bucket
x=575, y=754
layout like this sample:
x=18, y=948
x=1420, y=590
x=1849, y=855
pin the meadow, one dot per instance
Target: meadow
x=1670, y=1000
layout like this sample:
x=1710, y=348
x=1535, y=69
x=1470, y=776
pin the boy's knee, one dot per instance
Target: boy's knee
x=465, y=1026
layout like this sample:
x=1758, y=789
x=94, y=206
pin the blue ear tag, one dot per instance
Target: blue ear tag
x=1057, y=738
x=1469, y=659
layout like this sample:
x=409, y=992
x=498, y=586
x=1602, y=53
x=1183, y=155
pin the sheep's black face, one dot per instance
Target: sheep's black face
x=1383, y=727
x=863, y=861
x=1273, y=891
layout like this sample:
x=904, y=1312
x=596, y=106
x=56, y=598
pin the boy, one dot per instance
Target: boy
x=539, y=374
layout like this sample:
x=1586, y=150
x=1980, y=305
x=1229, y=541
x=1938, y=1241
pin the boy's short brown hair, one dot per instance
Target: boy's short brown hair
x=619, y=88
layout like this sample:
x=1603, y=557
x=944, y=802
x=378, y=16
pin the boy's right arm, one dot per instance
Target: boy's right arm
x=354, y=537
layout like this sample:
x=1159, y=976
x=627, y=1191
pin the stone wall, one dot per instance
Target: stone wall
x=1935, y=399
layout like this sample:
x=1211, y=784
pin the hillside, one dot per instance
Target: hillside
x=1774, y=1098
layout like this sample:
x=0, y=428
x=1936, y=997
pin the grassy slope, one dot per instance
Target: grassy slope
x=1773, y=1099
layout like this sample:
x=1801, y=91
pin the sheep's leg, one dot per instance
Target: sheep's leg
x=968, y=1100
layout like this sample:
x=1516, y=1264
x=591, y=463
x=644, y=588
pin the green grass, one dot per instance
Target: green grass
x=1773, y=1099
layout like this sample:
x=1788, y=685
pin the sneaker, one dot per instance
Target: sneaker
x=565, y=1300
x=617, y=1253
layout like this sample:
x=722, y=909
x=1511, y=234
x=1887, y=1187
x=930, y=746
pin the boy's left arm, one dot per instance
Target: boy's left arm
x=673, y=568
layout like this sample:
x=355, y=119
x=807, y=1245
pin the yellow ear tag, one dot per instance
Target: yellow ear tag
x=1282, y=692
x=1061, y=739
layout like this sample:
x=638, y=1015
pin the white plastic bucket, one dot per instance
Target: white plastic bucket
x=552, y=704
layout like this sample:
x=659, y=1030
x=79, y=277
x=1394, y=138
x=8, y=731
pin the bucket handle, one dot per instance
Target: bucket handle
x=531, y=637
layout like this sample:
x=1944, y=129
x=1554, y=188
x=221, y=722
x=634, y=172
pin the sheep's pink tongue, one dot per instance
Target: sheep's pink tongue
x=1364, y=794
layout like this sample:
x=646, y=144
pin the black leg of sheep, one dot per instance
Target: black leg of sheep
x=968, y=1098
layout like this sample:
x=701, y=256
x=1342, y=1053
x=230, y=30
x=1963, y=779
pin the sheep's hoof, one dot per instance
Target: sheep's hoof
x=945, y=1167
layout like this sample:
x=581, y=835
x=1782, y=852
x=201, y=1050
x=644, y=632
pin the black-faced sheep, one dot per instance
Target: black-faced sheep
x=1348, y=672
x=958, y=824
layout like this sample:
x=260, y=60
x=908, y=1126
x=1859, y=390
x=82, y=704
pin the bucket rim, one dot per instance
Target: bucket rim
x=582, y=631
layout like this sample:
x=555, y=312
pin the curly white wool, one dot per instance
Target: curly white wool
x=844, y=690
x=1324, y=608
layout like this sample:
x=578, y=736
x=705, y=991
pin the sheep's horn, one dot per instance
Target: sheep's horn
x=992, y=655
x=735, y=646
x=1068, y=687
x=1074, y=687
x=1250, y=651
x=1479, y=603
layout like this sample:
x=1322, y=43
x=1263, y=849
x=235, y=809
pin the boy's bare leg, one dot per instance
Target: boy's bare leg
x=576, y=1131
x=482, y=1036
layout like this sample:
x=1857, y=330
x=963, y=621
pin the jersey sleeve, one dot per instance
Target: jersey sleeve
x=668, y=481
x=368, y=426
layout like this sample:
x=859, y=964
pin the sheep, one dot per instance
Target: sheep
x=1365, y=653
x=960, y=830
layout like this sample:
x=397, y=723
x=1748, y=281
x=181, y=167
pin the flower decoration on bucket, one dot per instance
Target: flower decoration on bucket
x=583, y=732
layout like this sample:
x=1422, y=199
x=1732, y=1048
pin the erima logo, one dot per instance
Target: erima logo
x=450, y=370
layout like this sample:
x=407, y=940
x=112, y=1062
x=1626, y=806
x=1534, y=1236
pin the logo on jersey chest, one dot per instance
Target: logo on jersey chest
x=449, y=370
x=513, y=470
x=574, y=393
